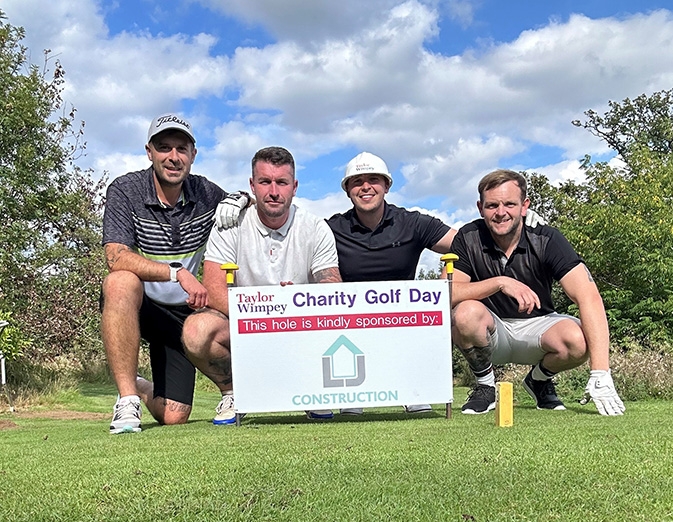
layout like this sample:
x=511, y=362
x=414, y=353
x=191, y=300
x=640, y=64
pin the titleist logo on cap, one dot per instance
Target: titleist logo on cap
x=169, y=121
x=172, y=119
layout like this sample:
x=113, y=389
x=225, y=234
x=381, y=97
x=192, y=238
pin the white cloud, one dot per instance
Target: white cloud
x=344, y=77
x=306, y=22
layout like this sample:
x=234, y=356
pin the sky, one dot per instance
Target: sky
x=444, y=91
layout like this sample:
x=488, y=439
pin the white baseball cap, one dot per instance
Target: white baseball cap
x=169, y=121
x=366, y=163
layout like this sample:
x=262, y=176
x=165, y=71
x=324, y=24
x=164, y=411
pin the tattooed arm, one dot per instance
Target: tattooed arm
x=122, y=257
x=328, y=275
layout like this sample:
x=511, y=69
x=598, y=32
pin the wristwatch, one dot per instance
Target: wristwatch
x=175, y=268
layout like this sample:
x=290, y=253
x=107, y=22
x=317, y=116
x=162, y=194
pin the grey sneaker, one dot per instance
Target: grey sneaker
x=417, y=408
x=126, y=417
x=225, y=413
x=319, y=414
x=543, y=392
x=351, y=411
x=481, y=400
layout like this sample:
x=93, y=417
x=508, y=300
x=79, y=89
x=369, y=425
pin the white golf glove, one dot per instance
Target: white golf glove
x=534, y=219
x=602, y=391
x=228, y=210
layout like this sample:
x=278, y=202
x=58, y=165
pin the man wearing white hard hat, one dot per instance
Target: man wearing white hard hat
x=377, y=241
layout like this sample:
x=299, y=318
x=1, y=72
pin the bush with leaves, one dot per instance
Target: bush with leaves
x=619, y=219
x=50, y=210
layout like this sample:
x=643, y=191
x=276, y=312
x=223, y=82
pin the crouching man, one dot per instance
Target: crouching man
x=502, y=304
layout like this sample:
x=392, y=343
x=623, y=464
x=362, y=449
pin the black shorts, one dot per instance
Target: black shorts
x=173, y=374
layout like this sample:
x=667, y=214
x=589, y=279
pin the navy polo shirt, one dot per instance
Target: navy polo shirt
x=388, y=253
x=542, y=256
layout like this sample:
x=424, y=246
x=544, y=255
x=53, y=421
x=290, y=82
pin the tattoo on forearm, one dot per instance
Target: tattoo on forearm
x=112, y=253
x=588, y=273
x=328, y=275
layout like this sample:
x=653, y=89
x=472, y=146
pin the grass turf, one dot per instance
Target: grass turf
x=384, y=465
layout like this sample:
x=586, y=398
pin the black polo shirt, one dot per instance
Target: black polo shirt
x=388, y=253
x=542, y=256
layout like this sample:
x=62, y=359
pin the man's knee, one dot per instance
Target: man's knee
x=121, y=288
x=566, y=338
x=203, y=328
x=470, y=319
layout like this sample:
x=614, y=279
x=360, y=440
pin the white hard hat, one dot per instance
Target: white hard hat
x=366, y=163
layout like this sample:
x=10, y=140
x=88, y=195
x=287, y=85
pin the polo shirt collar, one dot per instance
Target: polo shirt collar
x=151, y=198
x=282, y=231
x=388, y=216
x=489, y=244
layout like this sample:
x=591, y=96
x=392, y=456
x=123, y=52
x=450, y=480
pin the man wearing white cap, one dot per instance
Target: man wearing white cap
x=155, y=229
x=377, y=241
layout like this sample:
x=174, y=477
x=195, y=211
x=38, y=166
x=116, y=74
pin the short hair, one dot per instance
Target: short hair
x=498, y=177
x=277, y=156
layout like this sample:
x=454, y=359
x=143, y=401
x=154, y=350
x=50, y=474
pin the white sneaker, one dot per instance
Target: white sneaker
x=225, y=413
x=319, y=414
x=351, y=411
x=126, y=416
x=418, y=408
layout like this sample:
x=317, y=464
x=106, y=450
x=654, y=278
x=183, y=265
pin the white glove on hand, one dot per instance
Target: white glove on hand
x=534, y=219
x=602, y=391
x=228, y=210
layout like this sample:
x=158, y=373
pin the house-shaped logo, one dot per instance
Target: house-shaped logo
x=343, y=364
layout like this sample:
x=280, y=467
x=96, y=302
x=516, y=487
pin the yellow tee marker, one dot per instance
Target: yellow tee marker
x=504, y=404
x=230, y=268
x=448, y=260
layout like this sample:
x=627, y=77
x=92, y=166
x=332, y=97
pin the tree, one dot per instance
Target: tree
x=645, y=121
x=50, y=210
x=619, y=219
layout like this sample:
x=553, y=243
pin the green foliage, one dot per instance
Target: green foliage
x=620, y=220
x=644, y=122
x=12, y=343
x=50, y=210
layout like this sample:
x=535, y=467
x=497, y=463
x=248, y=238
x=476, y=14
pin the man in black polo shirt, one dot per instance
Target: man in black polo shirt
x=503, y=310
x=155, y=228
x=377, y=241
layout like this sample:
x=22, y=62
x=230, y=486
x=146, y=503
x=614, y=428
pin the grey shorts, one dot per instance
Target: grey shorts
x=519, y=341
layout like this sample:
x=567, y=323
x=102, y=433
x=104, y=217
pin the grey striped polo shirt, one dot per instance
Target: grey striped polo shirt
x=135, y=217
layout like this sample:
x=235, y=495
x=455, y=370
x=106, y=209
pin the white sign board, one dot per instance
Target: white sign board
x=342, y=345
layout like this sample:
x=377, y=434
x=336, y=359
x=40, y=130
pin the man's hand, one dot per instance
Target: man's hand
x=198, y=295
x=228, y=210
x=534, y=219
x=602, y=391
x=527, y=299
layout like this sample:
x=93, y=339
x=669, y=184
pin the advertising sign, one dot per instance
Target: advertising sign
x=343, y=345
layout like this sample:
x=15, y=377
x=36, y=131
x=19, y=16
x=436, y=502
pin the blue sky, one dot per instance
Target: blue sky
x=443, y=90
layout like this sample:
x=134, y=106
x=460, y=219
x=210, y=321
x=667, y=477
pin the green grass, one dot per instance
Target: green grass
x=385, y=465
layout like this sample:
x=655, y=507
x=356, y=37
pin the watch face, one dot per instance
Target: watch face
x=175, y=265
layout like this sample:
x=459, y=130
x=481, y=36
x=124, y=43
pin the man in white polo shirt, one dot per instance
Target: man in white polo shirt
x=274, y=243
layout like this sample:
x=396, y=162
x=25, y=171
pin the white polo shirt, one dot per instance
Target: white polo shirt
x=303, y=246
